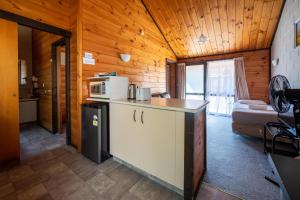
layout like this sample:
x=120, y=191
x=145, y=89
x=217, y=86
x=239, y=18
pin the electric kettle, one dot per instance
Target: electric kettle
x=131, y=91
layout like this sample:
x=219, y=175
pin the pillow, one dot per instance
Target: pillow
x=258, y=107
x=252, y=102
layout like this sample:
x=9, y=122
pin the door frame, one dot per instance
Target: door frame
x=66, y=37
x=204, y=63
x=54, y=80
x=168, y=63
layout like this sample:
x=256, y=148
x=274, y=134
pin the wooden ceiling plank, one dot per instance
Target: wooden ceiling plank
x=214, y=9
x=181, y=32
x=186, y=26
x=209, y=24
x=167, y=30
x=224, y=24
x=231, y=24
x=172, y=32
x=239, y=24
x=264, y=23
x=273, y=22
x=197, y=26
x=257, y=13
x=202, y=24
x=248, y=16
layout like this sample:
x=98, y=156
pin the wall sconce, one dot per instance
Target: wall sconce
x=275, y=61
x=125, y=57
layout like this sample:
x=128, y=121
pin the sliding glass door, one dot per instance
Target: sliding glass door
x=220, y=86
x=213, y=81
x=195, y=81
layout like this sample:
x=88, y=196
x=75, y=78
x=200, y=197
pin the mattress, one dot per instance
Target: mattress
x=244, y=115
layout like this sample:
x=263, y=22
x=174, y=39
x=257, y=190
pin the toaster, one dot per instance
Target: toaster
x=143, y=94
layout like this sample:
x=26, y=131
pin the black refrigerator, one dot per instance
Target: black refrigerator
x=95, y=131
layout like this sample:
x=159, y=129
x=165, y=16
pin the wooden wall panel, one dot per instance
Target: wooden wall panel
x=257, y=68
x=113, y=27
x=42, y=66
x=53, y=12
x=230, y=25
x=62, y=14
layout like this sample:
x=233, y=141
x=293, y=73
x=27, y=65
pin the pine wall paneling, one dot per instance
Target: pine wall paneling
x=113, y=27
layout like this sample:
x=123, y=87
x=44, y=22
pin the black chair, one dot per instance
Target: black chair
x=279, y=130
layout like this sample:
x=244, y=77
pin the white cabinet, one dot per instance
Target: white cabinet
x=28, y=111
x=124, y=133
x=145, y=138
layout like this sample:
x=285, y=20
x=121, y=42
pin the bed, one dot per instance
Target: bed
x=249, y=117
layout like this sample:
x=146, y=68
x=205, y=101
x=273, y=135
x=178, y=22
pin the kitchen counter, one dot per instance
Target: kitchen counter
x=165, y=139
x=189, y=106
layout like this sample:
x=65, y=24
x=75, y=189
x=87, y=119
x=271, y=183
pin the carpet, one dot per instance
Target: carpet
x=237, y=164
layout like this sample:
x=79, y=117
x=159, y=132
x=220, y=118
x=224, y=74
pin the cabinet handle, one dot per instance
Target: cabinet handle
x=134, y=116
x=142, y=117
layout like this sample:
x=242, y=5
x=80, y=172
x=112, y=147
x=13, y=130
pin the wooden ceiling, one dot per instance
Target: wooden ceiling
x=230, y=25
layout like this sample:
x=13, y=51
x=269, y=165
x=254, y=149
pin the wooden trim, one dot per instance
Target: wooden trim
x=188, y=156
x=194, y=169
x=34, y=24
x=280, y=15
x=158, y=27
x=68, y=91
x=169, y=61
x=199, y=59
x=54, y=80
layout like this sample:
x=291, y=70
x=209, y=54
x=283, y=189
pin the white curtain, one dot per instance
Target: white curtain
x=242, y=91
x=220, y=86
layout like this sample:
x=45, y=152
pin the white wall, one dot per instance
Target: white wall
x=284, y=44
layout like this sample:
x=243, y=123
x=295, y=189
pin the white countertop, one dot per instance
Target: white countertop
x=190, y=106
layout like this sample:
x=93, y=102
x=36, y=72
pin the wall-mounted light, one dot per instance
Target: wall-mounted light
x=275, y=61
x=125, y=57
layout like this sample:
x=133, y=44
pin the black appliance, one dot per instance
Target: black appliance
x=95, y=131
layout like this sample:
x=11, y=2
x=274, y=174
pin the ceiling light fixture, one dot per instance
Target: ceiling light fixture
x=202, y=39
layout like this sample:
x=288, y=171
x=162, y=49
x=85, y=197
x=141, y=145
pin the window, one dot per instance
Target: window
x=195, y=82
x=23, y=72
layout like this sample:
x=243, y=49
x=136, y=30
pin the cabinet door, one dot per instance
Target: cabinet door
x=124, y=133
x=158, y=142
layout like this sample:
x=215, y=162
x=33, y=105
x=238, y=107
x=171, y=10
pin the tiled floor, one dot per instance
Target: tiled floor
x=62, y=173
x=59, y=172
x=35, y=140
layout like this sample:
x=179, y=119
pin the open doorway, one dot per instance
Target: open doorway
x=42, y=86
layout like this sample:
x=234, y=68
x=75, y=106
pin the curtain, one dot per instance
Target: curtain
x=181, y=80
x=241, y=91
x=220, y=86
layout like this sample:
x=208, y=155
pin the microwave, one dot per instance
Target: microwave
x=112, y=87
